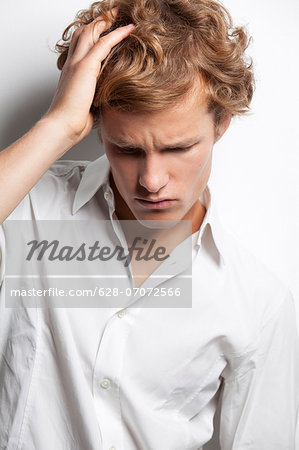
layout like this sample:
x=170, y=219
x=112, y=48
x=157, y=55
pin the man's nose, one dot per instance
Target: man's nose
x=153, y=174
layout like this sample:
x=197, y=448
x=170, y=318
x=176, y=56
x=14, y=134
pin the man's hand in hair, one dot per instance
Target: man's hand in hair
x=76, y=88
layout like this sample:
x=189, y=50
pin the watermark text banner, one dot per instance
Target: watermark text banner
x=78, y=263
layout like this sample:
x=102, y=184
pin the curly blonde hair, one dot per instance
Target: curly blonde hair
x=156, y=65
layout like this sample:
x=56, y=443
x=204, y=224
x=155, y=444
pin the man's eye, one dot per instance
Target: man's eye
x=183, y=149
x=128, y=150
x=179, y=149
x=135, y=151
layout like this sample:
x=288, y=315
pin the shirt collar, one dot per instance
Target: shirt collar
x=212, y=221
x=96, y=175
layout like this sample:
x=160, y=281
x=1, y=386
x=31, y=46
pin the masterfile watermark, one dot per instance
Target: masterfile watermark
x=97, y=263
x=55, y=251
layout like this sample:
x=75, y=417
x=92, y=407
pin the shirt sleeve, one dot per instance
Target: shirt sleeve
x=259, y=408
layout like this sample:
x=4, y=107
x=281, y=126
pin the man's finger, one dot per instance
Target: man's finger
x=87, y=35
x=96, y=32
x=73, y=43
x=102, y=48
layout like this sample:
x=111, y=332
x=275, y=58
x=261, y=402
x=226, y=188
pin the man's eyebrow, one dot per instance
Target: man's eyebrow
x=181, y=144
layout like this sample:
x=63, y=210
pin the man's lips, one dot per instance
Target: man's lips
x=157, y=203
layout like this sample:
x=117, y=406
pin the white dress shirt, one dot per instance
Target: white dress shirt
x=150, y=378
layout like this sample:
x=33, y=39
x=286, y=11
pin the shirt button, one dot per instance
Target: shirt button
x=121, y=313
x=105, y=383
x=112, y=448
x=107, y=196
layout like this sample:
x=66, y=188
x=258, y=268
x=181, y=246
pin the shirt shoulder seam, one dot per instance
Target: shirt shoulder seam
x=61, y=170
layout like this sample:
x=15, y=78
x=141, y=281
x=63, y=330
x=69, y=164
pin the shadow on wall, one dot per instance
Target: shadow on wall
x=32, y=105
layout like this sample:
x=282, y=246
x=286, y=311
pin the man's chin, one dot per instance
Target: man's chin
x=158, y=223
x=157, y=220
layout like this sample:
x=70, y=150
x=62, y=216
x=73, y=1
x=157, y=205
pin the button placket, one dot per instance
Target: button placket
x=107, y=378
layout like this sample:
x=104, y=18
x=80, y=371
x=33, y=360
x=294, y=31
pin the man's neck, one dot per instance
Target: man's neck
x=196, y=214
x=122, y=210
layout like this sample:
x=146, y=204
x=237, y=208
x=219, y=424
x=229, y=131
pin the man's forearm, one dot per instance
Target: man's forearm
x=24, y=162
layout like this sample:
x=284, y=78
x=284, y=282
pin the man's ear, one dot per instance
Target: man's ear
x=223, y=126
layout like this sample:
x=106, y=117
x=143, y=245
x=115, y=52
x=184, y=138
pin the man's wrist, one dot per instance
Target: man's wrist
x=57, y=133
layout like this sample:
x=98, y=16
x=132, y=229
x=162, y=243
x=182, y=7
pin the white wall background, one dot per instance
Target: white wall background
x=255, y=176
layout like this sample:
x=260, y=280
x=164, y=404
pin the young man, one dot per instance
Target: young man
x=161, y=93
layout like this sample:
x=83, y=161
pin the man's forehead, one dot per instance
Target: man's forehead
x=174, y=127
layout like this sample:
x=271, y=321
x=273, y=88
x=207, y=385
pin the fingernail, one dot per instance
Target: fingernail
x=131, y=25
